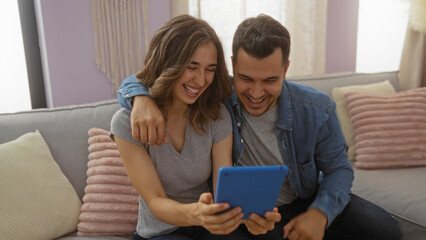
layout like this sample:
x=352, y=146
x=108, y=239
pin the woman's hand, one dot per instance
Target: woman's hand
x=259, y=225
x=222, y=223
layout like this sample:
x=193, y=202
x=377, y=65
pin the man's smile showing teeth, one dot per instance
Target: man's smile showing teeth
x=256, y=101
x=191, y=90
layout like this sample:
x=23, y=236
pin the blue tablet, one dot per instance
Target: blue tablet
x=255, y=188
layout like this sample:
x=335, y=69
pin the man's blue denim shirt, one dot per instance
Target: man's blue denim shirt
x=309, y=137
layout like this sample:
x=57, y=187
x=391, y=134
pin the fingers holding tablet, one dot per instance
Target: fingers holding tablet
x=218, y=218
x=261, y=225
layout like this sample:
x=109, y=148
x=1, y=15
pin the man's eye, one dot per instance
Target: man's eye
x=191, y=68
x=271, y=80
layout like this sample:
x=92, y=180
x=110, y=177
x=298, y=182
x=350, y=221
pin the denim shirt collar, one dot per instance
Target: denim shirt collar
x=285, y=113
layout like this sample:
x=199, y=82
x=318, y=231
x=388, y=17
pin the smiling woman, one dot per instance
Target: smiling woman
x=15, y=94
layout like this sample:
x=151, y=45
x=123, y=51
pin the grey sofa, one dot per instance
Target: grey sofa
x=400, y=191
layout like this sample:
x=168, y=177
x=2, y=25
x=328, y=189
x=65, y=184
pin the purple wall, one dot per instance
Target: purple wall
x=71, y=74
x=159, y=13
x=341, y=38
x=70, y=71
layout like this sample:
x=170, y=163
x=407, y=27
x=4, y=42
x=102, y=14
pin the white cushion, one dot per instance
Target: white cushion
x=343, y=112
x=36, y=201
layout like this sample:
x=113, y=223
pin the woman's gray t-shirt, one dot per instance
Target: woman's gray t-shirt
x=183, y=175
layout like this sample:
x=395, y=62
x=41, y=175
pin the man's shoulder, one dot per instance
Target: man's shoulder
x=306, y=95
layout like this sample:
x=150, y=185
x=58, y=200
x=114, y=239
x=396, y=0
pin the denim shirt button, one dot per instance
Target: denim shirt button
x=127, y=95
x=242, y=141
x=238, y=124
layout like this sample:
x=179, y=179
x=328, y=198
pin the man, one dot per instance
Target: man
x=278, y=122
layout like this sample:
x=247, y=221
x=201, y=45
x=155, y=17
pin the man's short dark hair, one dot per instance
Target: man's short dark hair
x=260, y=36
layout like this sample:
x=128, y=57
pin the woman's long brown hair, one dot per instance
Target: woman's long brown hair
x=169, y=54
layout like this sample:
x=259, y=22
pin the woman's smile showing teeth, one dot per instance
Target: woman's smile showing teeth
x=191, y=91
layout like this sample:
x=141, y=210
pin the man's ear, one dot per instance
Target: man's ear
x=286, y=68
x=233, y=64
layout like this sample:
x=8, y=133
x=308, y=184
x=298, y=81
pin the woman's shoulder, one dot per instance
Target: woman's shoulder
x=120, y=123
x=221, y=127
x=120, y=117
x=223, y=119
x=224, y=112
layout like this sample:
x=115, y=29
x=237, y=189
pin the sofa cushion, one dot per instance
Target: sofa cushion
x=110, y=202
x=400, y=191
x=73, y=236
x=390, y=129
x=65, y=131
x=37, y=200
x=343, y=112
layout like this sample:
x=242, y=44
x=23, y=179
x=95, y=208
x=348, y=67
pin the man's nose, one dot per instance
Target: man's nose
x=257, y=91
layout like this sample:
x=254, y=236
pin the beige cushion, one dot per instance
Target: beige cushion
x=343, y=113
x=390, y=129
x=110, y=202
x=36, y=199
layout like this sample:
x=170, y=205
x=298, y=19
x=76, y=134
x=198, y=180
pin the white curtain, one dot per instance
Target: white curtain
x=117, y=38
x=178, y=7
x=412, y=72
x=305, y=20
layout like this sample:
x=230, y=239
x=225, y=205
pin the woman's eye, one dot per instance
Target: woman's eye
x=211, y=70
x=191, y=68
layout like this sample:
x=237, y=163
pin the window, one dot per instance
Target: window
x=225, y=16
x=382, y=26
x=15, y=95
x=305, y=20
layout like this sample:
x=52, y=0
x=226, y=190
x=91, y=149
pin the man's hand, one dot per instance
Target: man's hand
x=223, y=223
x=258, y=225
x=147, y=121
x=309, y=225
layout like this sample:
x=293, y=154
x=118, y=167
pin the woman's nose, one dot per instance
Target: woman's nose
x=200, y=78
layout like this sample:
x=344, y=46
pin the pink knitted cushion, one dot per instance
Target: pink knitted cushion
x=390, y=129
x=110, y=204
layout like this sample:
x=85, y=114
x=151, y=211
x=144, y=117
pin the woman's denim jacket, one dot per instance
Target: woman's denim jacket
x=310, y=141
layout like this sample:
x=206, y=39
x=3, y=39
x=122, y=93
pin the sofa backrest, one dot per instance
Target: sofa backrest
x=327, y=82
x=65, y=130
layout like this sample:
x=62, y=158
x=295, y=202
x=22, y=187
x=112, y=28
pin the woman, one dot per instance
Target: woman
x=186, y=74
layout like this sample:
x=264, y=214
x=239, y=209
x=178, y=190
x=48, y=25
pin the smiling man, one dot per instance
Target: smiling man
x=258, y=81
x=277, y=122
